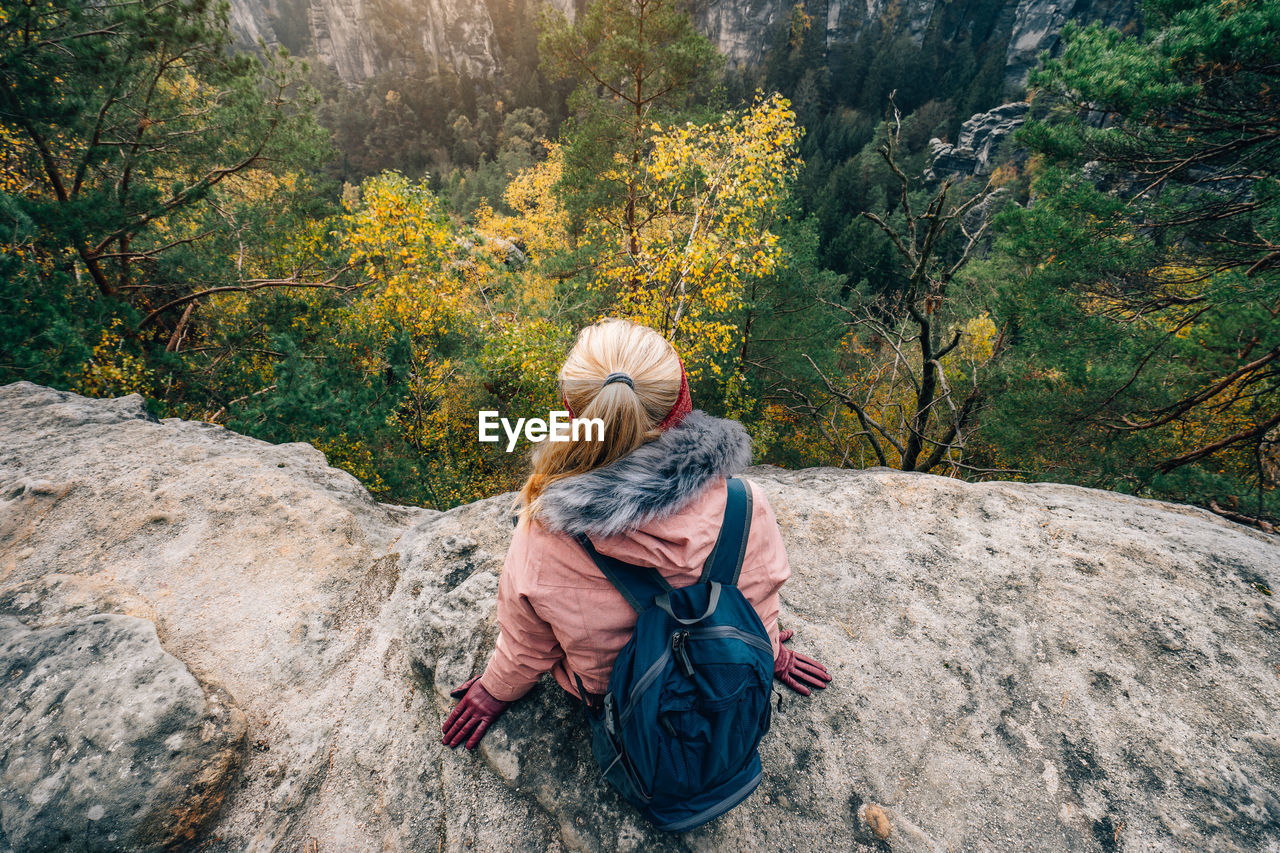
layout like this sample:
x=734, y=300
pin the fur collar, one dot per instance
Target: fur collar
x=650, y=482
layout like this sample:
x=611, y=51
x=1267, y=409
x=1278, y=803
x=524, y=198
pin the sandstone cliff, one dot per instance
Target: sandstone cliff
x=741, y=28
x=361, y=38
x=1016, y=666
x=981, y=138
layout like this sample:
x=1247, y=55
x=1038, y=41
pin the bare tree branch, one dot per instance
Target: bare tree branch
x=936, y=424
x=257, y=284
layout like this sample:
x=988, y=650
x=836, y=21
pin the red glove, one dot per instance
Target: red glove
x=473, y=715
x=791, y=668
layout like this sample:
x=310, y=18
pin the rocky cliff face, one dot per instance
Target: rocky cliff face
x=1037, y=23
x=981, y=137
x=742, y=28
x=360, y=38
x=235, y=637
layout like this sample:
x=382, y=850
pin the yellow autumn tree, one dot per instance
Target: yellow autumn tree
x=539, y=227
x=448, y=301
x=712, y=194
x=422, y=307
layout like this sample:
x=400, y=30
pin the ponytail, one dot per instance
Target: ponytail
x=630, y=412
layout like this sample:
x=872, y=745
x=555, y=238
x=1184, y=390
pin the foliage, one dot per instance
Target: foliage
x=907, y=402
x=786, y=325
x=839, y=83
x=1145, y=279
x=638, y=64
x=712, y=195
x=468, y=137
x=671, y=207
x=171, y=227
x=387, y=379
x=124, y=116
x=137, y=150
x=522, y=142
x=423, y=118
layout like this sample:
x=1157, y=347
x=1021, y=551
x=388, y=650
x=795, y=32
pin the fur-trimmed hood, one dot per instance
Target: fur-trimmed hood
x=651, y=482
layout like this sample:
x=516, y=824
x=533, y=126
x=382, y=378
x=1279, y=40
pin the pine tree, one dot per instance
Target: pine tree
x=638, y=63
x=1145, y=277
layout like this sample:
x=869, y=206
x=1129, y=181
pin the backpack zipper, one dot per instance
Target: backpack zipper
x=679, y=642
x=737, y=633
x=652, y=673
x=643, y=684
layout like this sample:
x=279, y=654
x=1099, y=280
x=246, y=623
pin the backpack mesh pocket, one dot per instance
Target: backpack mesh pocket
x=713, y=729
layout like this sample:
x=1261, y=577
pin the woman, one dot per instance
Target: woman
x=651, y=493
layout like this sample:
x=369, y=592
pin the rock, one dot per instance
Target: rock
x=352, y=37
x=1037, y=25
x=948, y=159
x=360, y=39
x=983, y=212
x=251, y=21
x=110, y=743
x=262, y=568
x=54, y=599
x=513, y=255
x=740, y=29
x=1017, y=666
x=980, y=139
x=1001, y=681
x=877, y=821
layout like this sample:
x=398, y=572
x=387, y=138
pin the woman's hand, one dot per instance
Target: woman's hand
x=473, y=715
x=792, y=668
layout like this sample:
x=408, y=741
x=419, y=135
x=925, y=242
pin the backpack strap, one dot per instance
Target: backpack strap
x=639, y=585
x=725, y=562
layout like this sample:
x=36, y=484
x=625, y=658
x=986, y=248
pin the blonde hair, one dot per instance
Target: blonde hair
x=630, y=415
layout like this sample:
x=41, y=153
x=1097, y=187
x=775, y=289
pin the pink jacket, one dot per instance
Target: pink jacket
x=659, y=506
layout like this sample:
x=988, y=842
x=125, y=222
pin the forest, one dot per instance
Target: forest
x=244, y=239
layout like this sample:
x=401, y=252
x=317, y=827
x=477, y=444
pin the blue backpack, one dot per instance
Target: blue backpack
x=688, y=697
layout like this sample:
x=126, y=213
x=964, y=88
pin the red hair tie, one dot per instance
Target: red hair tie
x=682, y=407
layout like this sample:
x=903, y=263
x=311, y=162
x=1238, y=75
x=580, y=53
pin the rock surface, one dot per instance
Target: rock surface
x=260, y=566
x=359, y=39
x=362, y=38
x=110, y=743
x=1038, y=23
x=1017, y=666
x=981, y=138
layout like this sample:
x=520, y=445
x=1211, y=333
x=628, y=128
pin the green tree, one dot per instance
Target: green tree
x=638, y=64
x=1144, y=281
x=133, y=142
x=913, y=355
